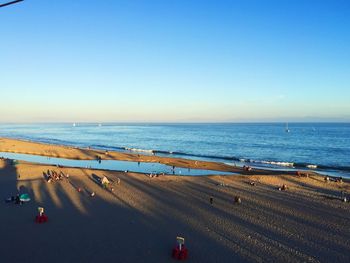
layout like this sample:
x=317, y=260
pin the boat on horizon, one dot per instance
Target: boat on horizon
x=287, y=129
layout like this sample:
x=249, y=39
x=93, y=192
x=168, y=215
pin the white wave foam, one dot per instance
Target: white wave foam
x=138, y=150
x=286, y=164
x=311, y=166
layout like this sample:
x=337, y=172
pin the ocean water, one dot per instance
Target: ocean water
x=325, y=145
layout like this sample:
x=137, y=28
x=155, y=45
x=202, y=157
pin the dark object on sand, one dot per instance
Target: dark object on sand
x=339, y=179
x=18, y=200
x=247, y=168
x=10, y=199
x=327, y=179
x=301, y=174
x=211, y=199
x=238, y=200
x=283, y=188
x=252, y=183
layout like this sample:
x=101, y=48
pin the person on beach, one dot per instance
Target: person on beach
x=211, y=200
x=18, y=200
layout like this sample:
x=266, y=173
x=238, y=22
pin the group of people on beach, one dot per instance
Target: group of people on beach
x=14, y=199
x=247, y=168
x=55, y=176
x=154, y=175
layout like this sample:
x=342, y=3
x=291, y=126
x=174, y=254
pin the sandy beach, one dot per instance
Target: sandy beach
x=61, y=151
x=166, y=131
x=140, y=219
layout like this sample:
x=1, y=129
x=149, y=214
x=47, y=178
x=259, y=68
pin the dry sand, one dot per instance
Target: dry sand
x=140, y=220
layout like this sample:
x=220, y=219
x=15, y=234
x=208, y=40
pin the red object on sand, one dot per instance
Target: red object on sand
x=180, y=254
x=41, y=219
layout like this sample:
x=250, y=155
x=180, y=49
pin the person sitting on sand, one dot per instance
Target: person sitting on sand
x=18, y=200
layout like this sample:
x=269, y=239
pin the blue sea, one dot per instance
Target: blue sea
x=322, y=145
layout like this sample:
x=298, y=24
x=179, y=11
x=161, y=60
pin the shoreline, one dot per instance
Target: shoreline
x=68, y=152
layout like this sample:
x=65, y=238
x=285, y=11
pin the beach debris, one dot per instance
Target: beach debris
x=92, y=194
x=327, y=179
x=238, y=200
x=252, y=183
x=180, y=252
x=41, y=217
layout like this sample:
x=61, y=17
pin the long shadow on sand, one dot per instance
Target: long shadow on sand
x=139, y=221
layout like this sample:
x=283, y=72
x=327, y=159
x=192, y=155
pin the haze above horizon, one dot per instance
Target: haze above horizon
x=175, y=61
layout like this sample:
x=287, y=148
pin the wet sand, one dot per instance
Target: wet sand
x=61, y=151
x=139, y=221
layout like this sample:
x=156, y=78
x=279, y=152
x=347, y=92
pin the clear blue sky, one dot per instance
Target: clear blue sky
x=175, y=60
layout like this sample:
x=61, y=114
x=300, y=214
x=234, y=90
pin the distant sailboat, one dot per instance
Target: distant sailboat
x=287, y=129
